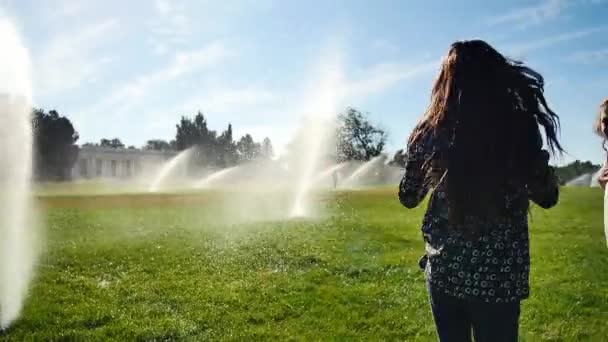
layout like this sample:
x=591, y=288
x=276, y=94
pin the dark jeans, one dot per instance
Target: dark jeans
x=455, y=319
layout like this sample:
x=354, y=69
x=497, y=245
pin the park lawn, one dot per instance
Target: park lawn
x=166, y=267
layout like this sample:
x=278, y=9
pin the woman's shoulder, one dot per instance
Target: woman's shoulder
x=424, y=139
x=421, y=144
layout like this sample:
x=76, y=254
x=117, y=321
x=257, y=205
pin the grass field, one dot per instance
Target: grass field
x=166, y=267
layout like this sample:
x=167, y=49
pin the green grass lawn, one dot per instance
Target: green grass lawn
x=167, y=267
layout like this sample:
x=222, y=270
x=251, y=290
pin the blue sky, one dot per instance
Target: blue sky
x=130, y=69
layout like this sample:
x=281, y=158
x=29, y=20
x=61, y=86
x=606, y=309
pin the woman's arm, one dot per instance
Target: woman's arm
x=543, y=186
x=603, y=175
x=413, y=188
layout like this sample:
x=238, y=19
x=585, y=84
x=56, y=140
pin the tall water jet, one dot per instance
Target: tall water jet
x=169, y=168
x=315, y=136
x=330, y=171
x=364, y=171
x=17, y=252
x=215, y=177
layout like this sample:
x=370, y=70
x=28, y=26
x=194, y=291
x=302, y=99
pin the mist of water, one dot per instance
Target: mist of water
x=314, y=140
x=584, y=180
x=364, y=171
x=393, y=174
x=216, y=177
x=17, y=252
x=329, y=172
x=595, y=179
x=169, y=169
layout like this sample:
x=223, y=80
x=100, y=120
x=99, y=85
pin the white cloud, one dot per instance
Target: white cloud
x=531, y=15
x=171, y=27
x=66, y=9
x=184, y=63
x=384, y=45
x=163, y=6
x=235, y=101
x=69, y=59
x=278, y=111
x=542, y=12
x=252, y=109
x=517, y=50
x=386, y=75
x=56, y=12
x=589, y=56
x=227, y=100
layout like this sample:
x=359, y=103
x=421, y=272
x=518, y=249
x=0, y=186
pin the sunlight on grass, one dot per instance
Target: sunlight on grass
x=158, y=269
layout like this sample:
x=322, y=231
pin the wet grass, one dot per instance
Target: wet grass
x=165, y=267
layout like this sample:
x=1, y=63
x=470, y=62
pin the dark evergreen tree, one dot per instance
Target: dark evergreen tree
x=54, y=142
x=227, y=153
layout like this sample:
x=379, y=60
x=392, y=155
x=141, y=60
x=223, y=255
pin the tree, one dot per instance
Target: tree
x=357, y=138
x=113, y=143
x=191, y=132
x=54, y=138
x=267, y=149
x=226, y=148
x=195, y=133
x=399, y=158
x=248, y=150
x=211, y=149
x=576, y=168
x=157, y=145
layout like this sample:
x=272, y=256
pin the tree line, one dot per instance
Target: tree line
x=213, y=149
x=55, y=138
x=575, y=169
x=357, y=138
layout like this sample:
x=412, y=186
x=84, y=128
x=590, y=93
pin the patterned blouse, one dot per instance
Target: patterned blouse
x=492, y=266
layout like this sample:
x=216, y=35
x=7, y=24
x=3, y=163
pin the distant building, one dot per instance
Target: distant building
x=104, y=162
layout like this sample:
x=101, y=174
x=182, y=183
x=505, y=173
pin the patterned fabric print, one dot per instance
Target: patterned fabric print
x=492, y=266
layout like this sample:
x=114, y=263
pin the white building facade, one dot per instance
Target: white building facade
x=103, y=162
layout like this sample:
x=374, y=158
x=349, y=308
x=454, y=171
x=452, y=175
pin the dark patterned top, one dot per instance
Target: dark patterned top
x=491, y=266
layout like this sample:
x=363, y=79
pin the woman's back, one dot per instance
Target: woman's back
x=479, y=151
x=479, y=257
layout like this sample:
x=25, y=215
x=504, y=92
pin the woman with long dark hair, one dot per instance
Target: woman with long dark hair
x=479, y=149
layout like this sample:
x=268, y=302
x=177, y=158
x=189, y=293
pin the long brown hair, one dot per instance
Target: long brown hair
x=489, y=108
x=601, y=122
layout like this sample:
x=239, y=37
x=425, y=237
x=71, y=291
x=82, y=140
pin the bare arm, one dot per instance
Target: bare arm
x=603, y=175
